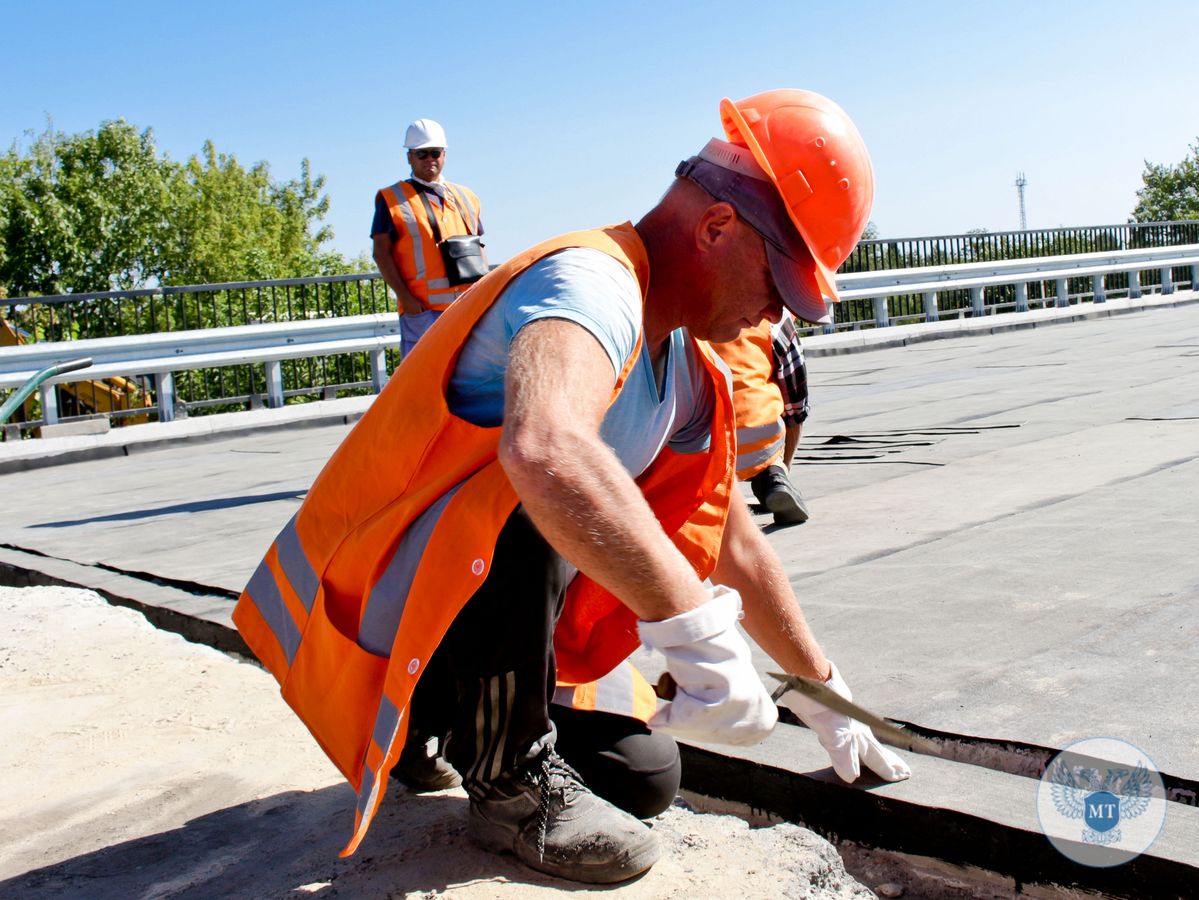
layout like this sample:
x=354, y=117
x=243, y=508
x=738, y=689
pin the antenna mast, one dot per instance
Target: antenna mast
x=1021, y=181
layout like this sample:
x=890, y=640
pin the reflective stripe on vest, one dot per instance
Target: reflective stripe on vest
x=757, y=400
x=623, y=691
x=433, y=472
x=416, y=254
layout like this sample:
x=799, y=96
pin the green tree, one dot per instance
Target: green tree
x=101, y=210
x=1170, y=193
x=230, y=223
x=81, y=212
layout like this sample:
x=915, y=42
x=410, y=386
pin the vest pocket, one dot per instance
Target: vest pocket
x=335, y=686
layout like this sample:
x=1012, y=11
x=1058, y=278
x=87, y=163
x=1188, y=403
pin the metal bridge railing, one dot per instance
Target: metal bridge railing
x=110, y=314
x=950, y=249
x=75, y=317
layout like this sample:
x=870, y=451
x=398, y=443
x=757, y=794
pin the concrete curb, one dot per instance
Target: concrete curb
x=36, y=454
x=974, y=818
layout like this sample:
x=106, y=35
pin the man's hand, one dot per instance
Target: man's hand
x=407, y=304
x=717, y=694
x=850, y=744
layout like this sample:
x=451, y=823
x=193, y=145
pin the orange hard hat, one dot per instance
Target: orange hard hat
x=816, y=158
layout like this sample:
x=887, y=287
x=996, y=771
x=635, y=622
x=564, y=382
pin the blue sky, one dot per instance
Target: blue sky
x=571, y=114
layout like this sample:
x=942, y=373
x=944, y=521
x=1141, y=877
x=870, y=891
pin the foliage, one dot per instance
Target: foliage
x=229, y=223
x=1170, y=193
x=81, y=212
x=104, y=210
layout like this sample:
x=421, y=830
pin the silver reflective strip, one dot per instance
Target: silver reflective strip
x=370, y=780
x=469, y=214
x=294, y=562
x=757, y=457
x=750, y=435
x=367, y=790
x=408, y=214
x=389, y=596
x=614, y=692
x=386, y=720
x=264, y=594
x=438, y=283
x=564, y=696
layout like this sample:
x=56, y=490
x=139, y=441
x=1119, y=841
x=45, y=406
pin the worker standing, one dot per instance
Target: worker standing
x=549, y=485
x=417, y=231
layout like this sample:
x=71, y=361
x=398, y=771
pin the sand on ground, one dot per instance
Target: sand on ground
x=135, y=764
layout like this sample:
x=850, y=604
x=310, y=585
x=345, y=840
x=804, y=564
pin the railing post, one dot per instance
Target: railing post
x=1167, y=280
x=1097, y=288
x=1134, y=285
x=1021, y=296
x=164, y=386
x=274, y=384
x=831, y=327
x=49, y=403
x=977, y=304
x=1195, y=277
x=931, y=313
x=1063, y=293
x=882, y=316
x=378, y=369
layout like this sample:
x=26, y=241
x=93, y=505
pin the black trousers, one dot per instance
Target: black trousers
x=490, y=683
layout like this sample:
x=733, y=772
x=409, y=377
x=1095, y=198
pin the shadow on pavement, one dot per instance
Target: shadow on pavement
x=177, y=508
x=271, y=847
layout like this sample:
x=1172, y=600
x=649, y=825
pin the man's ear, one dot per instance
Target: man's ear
x=714, y=225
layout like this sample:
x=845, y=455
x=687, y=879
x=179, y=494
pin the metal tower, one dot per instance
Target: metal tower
x=1020, y=182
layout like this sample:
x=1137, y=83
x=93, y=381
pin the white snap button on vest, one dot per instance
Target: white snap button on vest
x=477, y=567
x=413, y=666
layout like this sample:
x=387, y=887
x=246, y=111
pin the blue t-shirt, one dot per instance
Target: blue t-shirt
x=595, y=291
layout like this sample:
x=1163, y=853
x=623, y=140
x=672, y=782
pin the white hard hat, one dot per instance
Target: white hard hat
x=424, y=133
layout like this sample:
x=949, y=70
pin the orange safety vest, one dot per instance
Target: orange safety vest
x=410, y=463
x=624, y=690
x=414, y=251
x=757, y=400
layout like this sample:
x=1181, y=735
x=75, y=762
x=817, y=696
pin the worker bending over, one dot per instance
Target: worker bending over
x=546, y=484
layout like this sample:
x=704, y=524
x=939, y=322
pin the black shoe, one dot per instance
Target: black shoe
x=552, y=822
x=775, y=491
x=422, y=768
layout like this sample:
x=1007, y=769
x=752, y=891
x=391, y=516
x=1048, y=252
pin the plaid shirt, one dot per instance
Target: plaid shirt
x=790, y=371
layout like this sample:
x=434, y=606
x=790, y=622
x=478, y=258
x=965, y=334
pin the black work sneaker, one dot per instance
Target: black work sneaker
x=775, y=491
x=422, y=769
x=552, y=822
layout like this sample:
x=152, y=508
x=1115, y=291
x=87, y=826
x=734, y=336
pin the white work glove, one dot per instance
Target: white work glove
x=849, y=743
x=719, y=697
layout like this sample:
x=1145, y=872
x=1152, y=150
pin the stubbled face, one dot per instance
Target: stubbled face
x=741, y=289
x=427, y=169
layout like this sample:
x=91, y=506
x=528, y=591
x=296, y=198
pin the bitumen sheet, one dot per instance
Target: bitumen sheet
x=1002, y=543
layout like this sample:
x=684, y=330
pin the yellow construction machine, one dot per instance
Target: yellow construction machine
x=107, y=396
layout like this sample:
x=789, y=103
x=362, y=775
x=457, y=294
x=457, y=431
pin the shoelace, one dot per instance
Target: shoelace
x=552, y=764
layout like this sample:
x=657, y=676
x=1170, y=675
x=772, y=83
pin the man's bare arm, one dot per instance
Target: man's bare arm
x=773, y=617
x=408, y=304
x=578, y=494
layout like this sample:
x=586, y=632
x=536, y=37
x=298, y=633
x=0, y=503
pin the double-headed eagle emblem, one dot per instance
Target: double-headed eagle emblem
x=1101, y=798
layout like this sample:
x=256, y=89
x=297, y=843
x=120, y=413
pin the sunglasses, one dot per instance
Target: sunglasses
x=425, y=154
